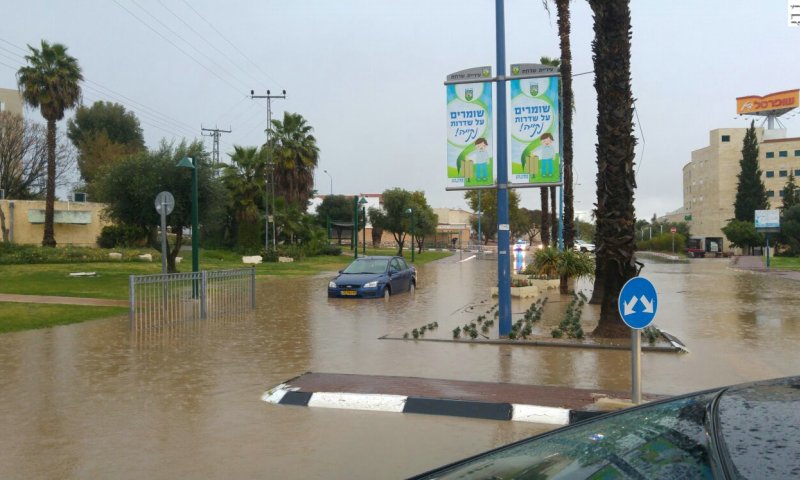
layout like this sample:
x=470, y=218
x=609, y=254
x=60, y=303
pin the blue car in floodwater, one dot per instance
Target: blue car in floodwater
x=374, y=277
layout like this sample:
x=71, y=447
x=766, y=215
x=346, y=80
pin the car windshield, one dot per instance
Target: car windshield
x=666, y=440
x=367, y=265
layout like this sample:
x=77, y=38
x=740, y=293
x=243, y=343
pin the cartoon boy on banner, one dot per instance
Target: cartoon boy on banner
x=469, y=135
x=534, y=127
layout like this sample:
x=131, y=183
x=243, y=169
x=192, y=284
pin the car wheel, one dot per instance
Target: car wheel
x=412, y=287
x=386, y=293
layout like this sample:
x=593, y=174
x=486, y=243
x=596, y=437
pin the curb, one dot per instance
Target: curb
x=284, y=394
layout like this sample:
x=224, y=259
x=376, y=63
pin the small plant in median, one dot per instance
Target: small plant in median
x=570, y=326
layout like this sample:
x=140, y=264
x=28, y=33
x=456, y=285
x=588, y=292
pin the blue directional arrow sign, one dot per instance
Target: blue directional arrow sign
x=638, y=302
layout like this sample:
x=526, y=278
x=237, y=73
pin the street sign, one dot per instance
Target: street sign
x=638, y=303
x=167, y=200
x=673, y=229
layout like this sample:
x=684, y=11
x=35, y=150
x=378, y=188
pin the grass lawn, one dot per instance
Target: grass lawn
x=111, y=282
x=784, y=263
x=27, y=316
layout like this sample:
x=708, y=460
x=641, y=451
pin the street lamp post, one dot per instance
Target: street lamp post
x=410, y=213
x=354, y=243
x=363, y=203
x=188, y=162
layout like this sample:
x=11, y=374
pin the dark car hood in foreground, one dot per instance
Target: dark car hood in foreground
x=356, y=278
x=744, y=431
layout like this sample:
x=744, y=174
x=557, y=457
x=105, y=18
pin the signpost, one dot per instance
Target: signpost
x=768, y=221
x=637, y=303
x=165, y=203
x=672, y=231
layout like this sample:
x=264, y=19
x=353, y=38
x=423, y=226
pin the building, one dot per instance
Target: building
x=710, y=178
x=74, y=223
x=10, y=101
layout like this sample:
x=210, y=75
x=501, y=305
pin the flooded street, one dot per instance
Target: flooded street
x=96, y=400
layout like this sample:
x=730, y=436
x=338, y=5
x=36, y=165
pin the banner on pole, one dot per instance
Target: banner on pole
x=470, y=141
x=534, y=129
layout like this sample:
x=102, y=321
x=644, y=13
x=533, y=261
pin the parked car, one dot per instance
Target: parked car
x=744, y=431
x=582, y=246
x=374, y=277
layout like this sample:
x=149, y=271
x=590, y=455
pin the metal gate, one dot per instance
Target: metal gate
x=164, y=299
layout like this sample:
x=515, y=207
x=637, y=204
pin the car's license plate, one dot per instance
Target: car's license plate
x=349, y=293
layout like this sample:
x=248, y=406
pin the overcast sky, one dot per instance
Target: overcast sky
x=367, y=75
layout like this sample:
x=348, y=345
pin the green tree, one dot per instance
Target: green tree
x=294, y=154
x=530, y=224
x=616, y=247
x=791, y=194
x=424, y=220
x=103, y=133
x=394, y=217
x=742, y=234
x=751, y=195
x=132, y=184
x=244, y=178
x=790, y=229
x=51, y=82
x=489, y=211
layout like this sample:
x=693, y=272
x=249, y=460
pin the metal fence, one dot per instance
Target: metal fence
x=165, y=299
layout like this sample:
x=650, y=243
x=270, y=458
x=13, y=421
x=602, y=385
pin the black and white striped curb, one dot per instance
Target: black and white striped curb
x=285, y=394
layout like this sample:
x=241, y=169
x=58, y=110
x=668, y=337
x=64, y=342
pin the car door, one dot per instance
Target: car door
x=407, y=274
x=396, y=276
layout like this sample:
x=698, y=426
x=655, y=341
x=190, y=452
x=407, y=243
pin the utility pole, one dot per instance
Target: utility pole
x=214, y=133
x=270, y=169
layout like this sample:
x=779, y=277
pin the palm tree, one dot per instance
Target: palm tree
x=616, y=242
x=50, y=82
x=294, y=154
x=244, y=179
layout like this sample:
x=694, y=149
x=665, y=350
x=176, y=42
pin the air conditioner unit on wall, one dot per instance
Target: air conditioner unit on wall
x=79, y=197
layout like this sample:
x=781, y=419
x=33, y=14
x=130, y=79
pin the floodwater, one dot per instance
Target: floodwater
x=95, y=400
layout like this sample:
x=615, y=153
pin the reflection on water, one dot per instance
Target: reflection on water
x=97, y=400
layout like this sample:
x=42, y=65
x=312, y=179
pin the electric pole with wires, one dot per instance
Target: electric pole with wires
x=214, y=133
x=270, y=169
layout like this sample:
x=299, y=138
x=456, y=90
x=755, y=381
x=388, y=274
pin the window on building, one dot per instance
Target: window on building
x=781, y=193
x=770, y=174
x=783, y=173
x=783, y=153
x=770, y=193
x=797, y=173
x=726, y=138
x=770, y=154
x=797, y=153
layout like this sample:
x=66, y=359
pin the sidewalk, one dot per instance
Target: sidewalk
x=756, y=264
x=94, y=302
x=494, y=401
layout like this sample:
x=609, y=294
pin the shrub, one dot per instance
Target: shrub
x=331, y=250
x=113, y=236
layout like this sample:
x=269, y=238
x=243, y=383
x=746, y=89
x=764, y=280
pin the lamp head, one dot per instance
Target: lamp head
x=186, y=162
x=363, y=201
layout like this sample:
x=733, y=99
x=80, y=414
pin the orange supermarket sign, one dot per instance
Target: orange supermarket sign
x=774, y=101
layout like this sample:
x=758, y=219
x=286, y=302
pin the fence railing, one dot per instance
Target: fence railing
x=164, y=299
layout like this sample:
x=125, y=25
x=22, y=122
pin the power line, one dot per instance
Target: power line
x=178, y=35
x=231, y=44
x=215, y=134
x=176, y=46
x=210, y=44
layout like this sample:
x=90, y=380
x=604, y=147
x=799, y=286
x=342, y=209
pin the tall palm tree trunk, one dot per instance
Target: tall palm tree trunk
x=616, y=261
x=49, y=239
x=566, y=117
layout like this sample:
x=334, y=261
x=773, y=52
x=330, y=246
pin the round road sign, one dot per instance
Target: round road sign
x=638, y=302
x=166, y=200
